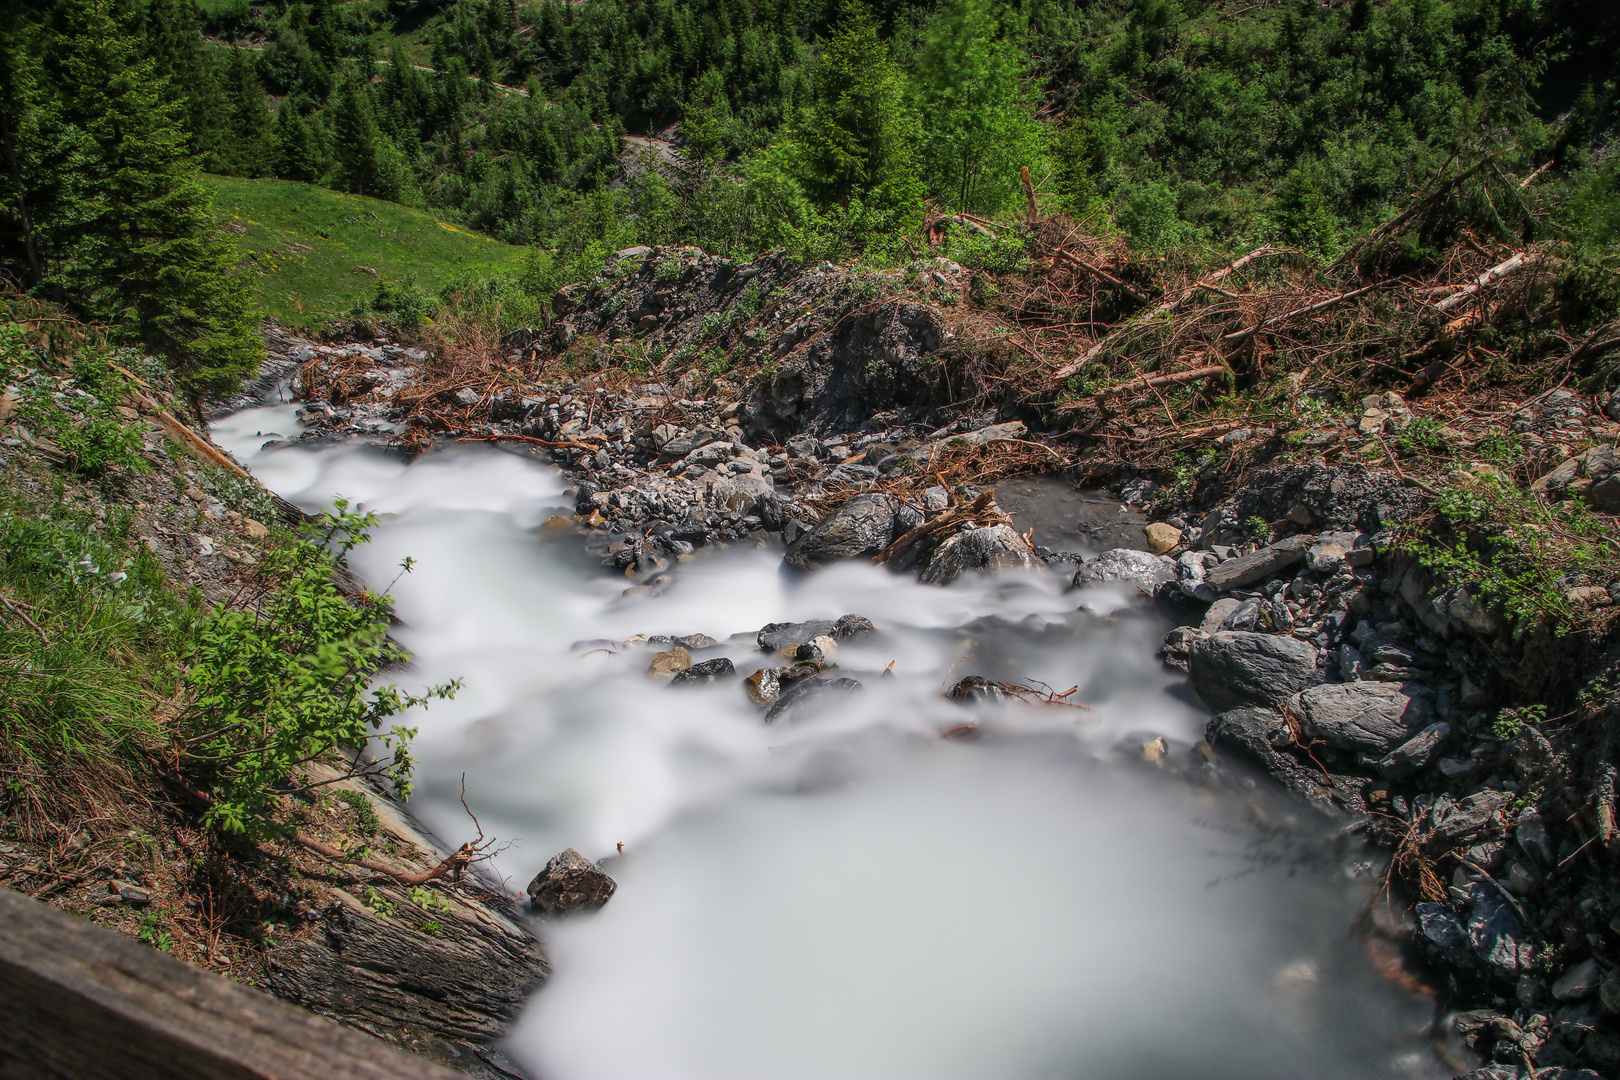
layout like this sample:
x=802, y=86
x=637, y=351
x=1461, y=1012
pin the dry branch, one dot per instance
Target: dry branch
x=1490, y=277
x=954, y=516
x=1245, y=334
x=1175, y=378
x=1099, y=273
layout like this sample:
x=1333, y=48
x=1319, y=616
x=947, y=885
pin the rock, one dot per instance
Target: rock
x=1414, y=753
x=1455, y=822
x=1554, y=483
x=811, y=695
x=1444, y=933
x=936, y=499
x=1331, y=551
x=705, y=674
x=1143, y=569
x=467, y=397
x=255, y=530
x=1580, y=981
x=1247, y=569
x=1178, y=645
x=864, y=526
x=1161, y=537
x=570, y=882
x=129, y=892
x=1600, y=462
x=1232, y=668
x=1495, y=932
x=1259, y=737
x=766, y=685
x=1609, y=990
x=666, y=665
x=774, y=637
x=1604, y=495
x=1218, y=613
x=1533, y=839
x=992, y=548
x=1372, y=717
x=976, y=690
x=694, y=641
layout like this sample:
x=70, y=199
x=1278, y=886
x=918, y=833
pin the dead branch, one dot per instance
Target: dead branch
x=17, y=609
x=955, y=516
x=1490, y=277
x=1098, y=272
x=1310, y=309
x=1173, y=379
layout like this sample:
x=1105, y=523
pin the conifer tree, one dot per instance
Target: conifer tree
x=139, y=246
x=252, y=148
x=356, y=141
x=174, y=42
x=298, y=144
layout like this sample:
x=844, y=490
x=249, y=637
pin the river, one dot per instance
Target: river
x=849, y=895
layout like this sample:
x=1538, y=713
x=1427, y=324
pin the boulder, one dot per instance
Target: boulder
x=776, y=636
x=1414, y=753
x=1178, y=644
x=1233, y=668
x=705, y=674
x=1580, y=981
x=992, y=548
x=768, y=684
x=811, y=695
x=1161, y=537
x=1247, y=569
x=570, y=882
x=1457, y=821
x=1258, y=738
x=1143, y=569
x=1372, y=717
x=864, y=526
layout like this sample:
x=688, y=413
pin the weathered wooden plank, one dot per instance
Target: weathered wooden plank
x=80, y=1001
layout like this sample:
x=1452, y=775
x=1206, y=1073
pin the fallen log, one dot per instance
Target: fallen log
x=1489, y=278
x=1246, y=333
x=1099, y=273
x=1175, y=378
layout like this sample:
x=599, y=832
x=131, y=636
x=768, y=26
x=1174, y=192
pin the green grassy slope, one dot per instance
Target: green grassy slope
x=317, y=253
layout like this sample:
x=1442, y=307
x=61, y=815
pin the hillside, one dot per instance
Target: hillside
x=316, y=253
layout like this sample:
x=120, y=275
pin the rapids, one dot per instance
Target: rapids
x=849, y=895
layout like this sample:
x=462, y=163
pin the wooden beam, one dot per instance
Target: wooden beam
x=82, y=1002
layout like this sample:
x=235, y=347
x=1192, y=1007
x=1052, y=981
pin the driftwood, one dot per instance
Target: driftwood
x=954, y=516
x=82, y=1002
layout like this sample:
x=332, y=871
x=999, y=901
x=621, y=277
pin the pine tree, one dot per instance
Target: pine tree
x=858, y=138
x=252, y=147
x=978, y=127
x=298, y=144
x=140, y=247
x=356, y=141
x=34, y=149
x=174, y=42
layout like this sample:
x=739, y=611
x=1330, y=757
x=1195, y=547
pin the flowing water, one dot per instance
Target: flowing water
x=850, y=895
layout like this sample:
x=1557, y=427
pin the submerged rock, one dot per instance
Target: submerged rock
x=707, y=673
x=1143, y=569
x=666, y=665
x=774, y=637
x=1233, y=668
x=570, y=882
x=768, y=684
x=993, y=547
x=811, y=695
x=976, y=689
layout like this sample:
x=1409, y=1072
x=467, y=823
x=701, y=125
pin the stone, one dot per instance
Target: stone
x=863, y=527
x=1609, y=989
x=1142, y=569
x=1178, y=645
x=1247, y=569
x=768, y=684
x=707, y=673
x=129, y=892
x=1258, y=737
x=555, y=525
x=1415, y=753
x=936, y=499
x=1444, y=932
x=1461, y=820
x=1495, y=932
x=1580, y=981
x=1161, y=537
x=811, y=695
x=1371, y=717
x=1218, y=613
x=1554, y=482
x=992, y=548
x=694, y=641
x=255, y=530
x=1233, y=668
x=1532, y=837
x=1600, y=462
x=774, y=637
x=570, y=882
x=467, y=397
x=666, y=665
x=1604, y=495
x=976, y=690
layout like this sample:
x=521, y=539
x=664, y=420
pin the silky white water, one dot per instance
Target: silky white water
x=849, y=895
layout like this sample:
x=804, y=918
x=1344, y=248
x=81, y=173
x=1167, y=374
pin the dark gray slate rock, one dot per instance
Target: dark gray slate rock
x=570, y=882
x=975, y=690
x=1247, y=569
x=1414, y=753
x=1232, y=668
x=1143, y=569
x=809, y=696
x=1455, y=821
x=705, y=674
x=1444, y=933
x=862, y=364
x=1494, y=931
x=1259, y=738
x=992, y=548
x=864, y=526
x=1372, y=717
x=776, y=636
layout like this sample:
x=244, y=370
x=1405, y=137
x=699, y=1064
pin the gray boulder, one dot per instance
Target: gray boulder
x=707, y=673
x=1143, y=569
x=776, y=636
x=810, y=696
x=1259, y=737
x=1247, y=569
x=1372, y=717
x=1234, y=668
x=993, y=548
x=863, y=527
x=1414, y=753
x=570, y=882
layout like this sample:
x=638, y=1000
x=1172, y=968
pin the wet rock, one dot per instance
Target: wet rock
x=993, y=548
x=976, y=690
x=1247, y=569
x=1260, y=737
x=1161, y=537
x=767, y=685
x=1143, y=569
x=1232, y=668
x=1372, y=717
x=1414, y=753
x=774, y=637
x=707, y=673
x=1580, y=981
x=810, y=696
x=1494, y=930
x=864, y=526
x=570, y=882
x=1178, y=645
x=666, y=665
x=694, y=641
x=1222, y=609
x=1444, y=933
x=1457, y=821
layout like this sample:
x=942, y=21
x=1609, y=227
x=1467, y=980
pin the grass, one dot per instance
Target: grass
x=318, y=253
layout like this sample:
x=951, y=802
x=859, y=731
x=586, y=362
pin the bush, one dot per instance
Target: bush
x=288, y=682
